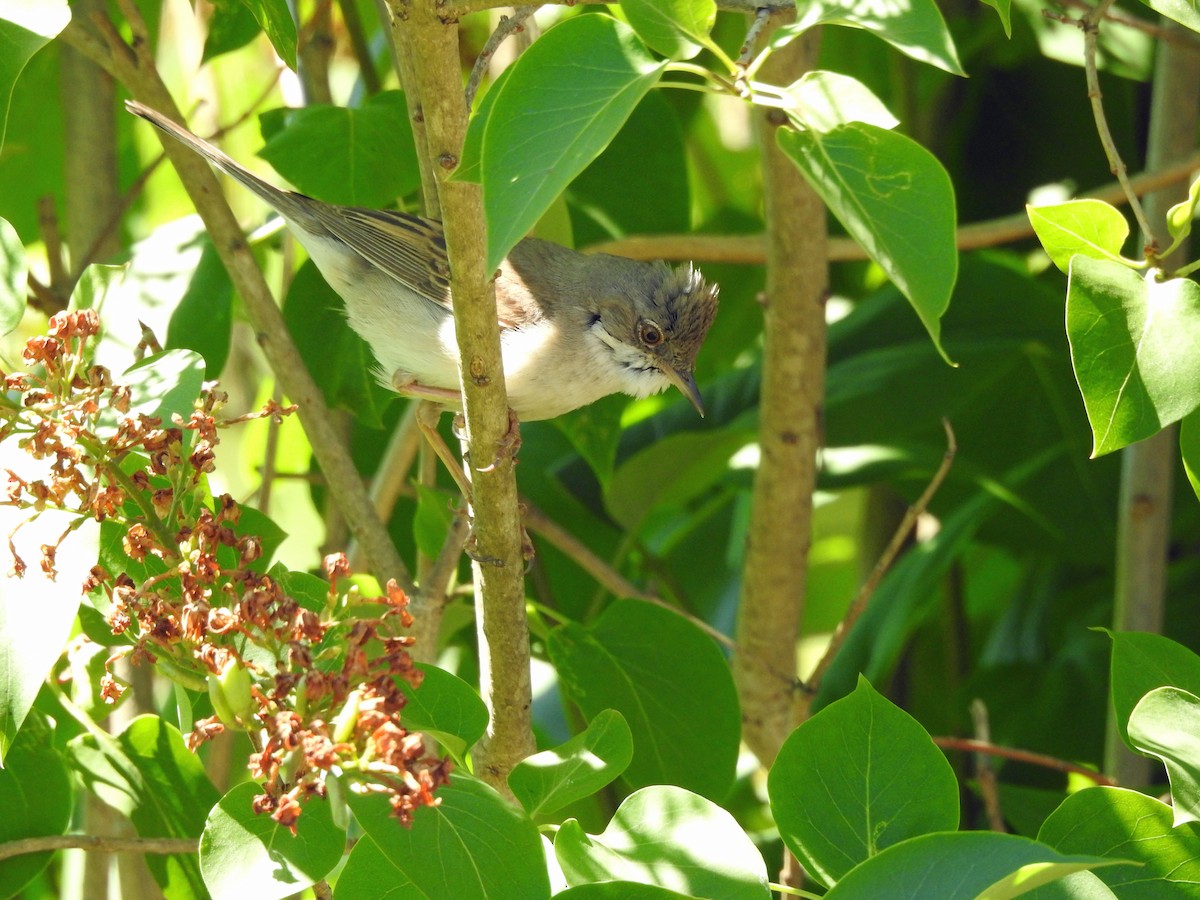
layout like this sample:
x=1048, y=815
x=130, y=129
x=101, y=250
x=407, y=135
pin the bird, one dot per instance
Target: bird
x=574, y=327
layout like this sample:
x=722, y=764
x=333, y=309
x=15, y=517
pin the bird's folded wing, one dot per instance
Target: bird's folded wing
x=410, y=249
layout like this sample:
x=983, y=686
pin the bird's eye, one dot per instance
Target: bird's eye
x=651, y=334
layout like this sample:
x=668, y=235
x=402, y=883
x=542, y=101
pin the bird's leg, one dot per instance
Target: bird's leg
x=406, y=384
x=428, y=413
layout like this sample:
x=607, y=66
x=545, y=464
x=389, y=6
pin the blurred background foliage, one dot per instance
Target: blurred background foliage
x=1010, y=569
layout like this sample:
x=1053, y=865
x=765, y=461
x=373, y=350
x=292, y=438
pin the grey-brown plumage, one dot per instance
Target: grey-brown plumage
x=573, y=327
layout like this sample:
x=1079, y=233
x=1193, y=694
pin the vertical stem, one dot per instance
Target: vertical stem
x=496, y=544
x=1144, y=505
x=793, y=384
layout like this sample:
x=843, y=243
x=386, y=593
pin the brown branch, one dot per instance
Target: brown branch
x=970, y=745
x=859, y=605
x=508, y=25
x=496, y=542
x=985, y=773
x=1090, y=24
x=97, y=843
x=1181, y=36
x=455, y=9
x=751, y=249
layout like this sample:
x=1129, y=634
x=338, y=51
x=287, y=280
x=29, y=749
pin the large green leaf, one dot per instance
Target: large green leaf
x=36, y=796
x=446, y=708
x=1189, y=448
x=203, y=320
x=982, y=865
x=548, y=781
x=36, y=611
x=671, y=838
x=244, y=854
x=824, y=100
x=1128, y=825
x=472, y=844
x=858, y=777
x=1166, y=724
x=677, y=29
x=1185, y=12
x=26, y=26
x=565, y=99
x=363, y=156
x=147, y=773
x=1142, y=662
x=1089, y=228
x=895, y=200
x=669, y=681
x=916, y=28
x=1133, y=345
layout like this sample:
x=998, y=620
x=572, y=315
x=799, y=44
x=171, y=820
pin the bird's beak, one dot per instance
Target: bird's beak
x=686, y=383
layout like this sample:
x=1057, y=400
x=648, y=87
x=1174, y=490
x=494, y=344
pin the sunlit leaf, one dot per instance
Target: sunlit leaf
x=26, y=26
x=675, y=28
x=1133, y=342
x=825, y=100
x=1089, y=228
x=1166, y=724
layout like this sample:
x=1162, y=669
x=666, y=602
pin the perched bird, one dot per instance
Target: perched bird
x=573, y=327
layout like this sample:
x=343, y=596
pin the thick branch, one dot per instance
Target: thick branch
x=793, y=386
x=496, y=545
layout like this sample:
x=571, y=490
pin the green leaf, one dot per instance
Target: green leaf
x=203, y=320
x=230, y=27
x=595, y=432
x=1004, y=11
x=276, y=20
x=482, y=845
x=243, y=854
x=620, y=890
x=166, y=384
x=1133, y=342
x=37, y=798
x=26, y=26
x=669, y=681
x=446, y=708
x=435, y=512
x=1142, y=662
x=552, y=779
x=916, y=29
x=669, y=837
x=895, y=200
x=1089, y=228
x=825, y=100
x=147, y=773
x=567, y=97
x=1185, y=12
x=358, y=157
x=1127, y=825
x=983, y=865
x=1189, y=448
x=678, y=29
x=856, y=778
x=671, y=471
x=36, y=612
x=13, y=274
x=1180, y=216
x=1166, y=724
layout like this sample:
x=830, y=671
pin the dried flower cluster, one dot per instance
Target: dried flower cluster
x=314, y=681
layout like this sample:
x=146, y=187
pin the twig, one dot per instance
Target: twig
x=508, y=25
x=456, y=9
x=969, y=745
x=1182, y=37
x=984, y=773
x=97, y=843
x=360, y=47
x=608, y=577
x=859, y=605
x=1090, y=25
x=761, y=15
x=752, y=249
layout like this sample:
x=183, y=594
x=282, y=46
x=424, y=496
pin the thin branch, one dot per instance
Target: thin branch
x=985, y=773
x=508, y=25
x=360, y=47
x=1182, y=37
x=456, y=9
x=859, y=605
x=97, y=843
x=1090, y=24
x=750, y=44
x=751, y=249
x=970, y=745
